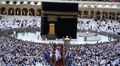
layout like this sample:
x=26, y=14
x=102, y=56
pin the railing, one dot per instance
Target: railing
x=64, y=0
x=99, y=4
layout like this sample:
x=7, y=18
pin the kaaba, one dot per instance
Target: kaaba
x=59, y=19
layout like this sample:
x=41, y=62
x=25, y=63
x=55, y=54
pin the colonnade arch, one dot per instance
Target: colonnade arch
x=85, y=13
x=3, y=10
x=10, y=11
x=104, y=15
x=24, y=11
x=31, y=12
x=20, y=11
x=97, y=14
x=91, y=14
x=118, y=16
x=38, y=12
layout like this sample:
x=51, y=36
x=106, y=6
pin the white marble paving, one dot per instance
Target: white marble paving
x=35, y=37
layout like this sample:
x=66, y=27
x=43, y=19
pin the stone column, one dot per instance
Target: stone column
x=35, y=12
x=89, y=14
x=20, y=12
x=115, y=16
x=101, y=15
x=94, y=15
x=108, y=14
x=6, y=11
x=81, y=14
x=28, y=12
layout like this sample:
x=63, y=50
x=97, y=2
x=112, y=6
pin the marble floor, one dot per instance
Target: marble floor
x=36, y=37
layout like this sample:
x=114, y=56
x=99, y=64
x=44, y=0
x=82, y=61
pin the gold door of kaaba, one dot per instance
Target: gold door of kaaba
x=51, y=29
x=51, y=34
x=51, y=19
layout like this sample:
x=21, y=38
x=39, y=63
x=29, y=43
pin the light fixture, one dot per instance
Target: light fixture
x=24, y=2
x=106, y=6
x=32, y=3
x=85, y=5
x=92, y=6
x=99, y=6
x=3, y=2
x=114, y=6
x=80, y=6
x=11, y=3
x=38, y=3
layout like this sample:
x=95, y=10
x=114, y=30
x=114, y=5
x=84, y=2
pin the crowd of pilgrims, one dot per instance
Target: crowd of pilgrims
x=22, y=53
x=109, y=26
x=10, y=22
x=14, y=52
x=100, y=54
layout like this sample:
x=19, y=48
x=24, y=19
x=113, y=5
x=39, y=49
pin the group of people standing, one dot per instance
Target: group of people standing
x=14, y=52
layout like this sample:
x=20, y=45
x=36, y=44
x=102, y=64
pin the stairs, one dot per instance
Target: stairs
x=60, y=62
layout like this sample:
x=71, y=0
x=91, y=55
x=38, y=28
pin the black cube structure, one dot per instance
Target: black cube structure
x=59, y=19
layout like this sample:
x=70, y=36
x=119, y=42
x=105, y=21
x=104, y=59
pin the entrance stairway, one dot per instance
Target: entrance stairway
x=60, y=62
